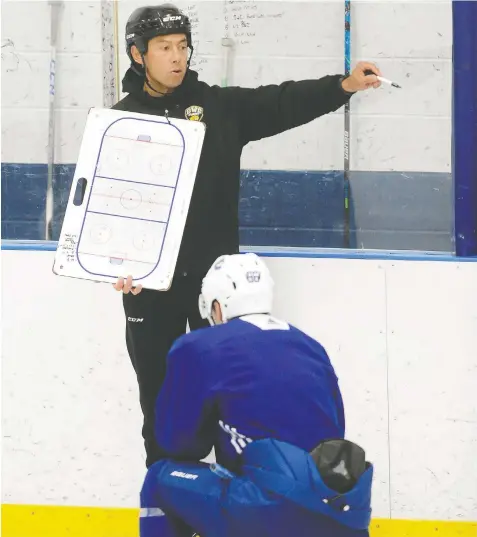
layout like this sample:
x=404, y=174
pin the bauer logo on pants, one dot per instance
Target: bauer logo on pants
x=194, y=113
x=184, y=475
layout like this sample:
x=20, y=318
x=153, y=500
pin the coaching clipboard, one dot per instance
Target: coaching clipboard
x=129, y=198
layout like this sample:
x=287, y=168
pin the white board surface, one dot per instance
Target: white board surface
x=129, y=198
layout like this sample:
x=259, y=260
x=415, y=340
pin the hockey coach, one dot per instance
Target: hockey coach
x=160, y=81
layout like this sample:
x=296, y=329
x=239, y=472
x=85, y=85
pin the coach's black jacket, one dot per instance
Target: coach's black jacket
x=233, y=116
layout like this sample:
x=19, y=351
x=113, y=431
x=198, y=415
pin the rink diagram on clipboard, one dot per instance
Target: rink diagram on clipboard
x=130, y=198
x=130, y=201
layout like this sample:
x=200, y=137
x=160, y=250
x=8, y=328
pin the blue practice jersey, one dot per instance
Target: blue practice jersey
x=252, y=378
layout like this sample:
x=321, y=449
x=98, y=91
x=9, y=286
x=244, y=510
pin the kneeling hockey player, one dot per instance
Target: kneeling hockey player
x=265, y=396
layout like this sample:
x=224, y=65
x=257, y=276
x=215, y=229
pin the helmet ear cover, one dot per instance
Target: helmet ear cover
x=141, y=45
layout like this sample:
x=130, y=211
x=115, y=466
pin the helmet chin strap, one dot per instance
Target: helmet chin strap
x=147, y=80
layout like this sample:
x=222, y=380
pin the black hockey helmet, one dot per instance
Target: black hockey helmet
x=150, y=21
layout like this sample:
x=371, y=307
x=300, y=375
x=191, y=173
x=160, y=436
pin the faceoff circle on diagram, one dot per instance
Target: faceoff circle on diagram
x=131, y=199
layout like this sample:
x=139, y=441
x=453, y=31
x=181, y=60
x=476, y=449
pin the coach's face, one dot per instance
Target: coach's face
x=166, y=61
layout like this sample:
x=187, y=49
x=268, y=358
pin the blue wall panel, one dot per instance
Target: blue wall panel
x=465, y=125
x=390, y=210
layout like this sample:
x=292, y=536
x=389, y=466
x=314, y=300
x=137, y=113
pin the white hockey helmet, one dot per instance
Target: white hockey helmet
x=241, y=284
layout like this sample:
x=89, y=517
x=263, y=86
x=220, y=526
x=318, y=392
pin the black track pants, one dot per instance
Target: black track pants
x=154, y=320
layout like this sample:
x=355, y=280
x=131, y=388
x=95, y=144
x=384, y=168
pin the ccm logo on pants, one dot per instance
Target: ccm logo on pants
x=135, y=320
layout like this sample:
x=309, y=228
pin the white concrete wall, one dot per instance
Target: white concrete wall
x=402, y=336
x=405, y=130
x=25, y=77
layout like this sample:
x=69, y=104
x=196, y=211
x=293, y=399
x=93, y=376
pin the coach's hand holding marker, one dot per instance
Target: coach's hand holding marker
x=365, y=76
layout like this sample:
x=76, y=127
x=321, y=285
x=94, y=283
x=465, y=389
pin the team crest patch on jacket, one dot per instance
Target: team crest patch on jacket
x=194, y=113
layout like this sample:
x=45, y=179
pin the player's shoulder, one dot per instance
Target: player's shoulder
x=212, y=337
x=261, y=323
x=208, y=340
x=300, y=337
